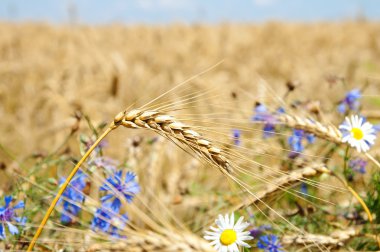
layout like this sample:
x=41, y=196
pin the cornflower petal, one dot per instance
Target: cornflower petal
x=2, y=232
x=116, y=185
x=20, y=204
x=12, y=228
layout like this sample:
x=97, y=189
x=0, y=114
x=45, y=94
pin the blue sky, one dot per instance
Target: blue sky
x=165, y=11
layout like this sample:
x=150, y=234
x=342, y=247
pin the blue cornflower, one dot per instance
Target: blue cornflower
x=256, y=232
x=236, y=136
x=358, y=165
x=268, y=130
x=8, y=215
x=280, y=110
x=72, y=197
x=127, y=186
x=310, y=138
x=107, y=221
x=296, y=142
x=269, y=243
x=350, y=102
x=269, y=119
x=304, y=189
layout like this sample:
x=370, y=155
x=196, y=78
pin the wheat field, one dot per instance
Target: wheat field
x=181, y=99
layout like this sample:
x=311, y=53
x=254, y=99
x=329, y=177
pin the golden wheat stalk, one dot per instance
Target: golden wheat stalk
x=150, y=241
x=160, y=123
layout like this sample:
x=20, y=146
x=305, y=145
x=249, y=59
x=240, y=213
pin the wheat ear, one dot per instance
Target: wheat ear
x=167, y=125
x=285, y=181
x=150, y=241
x=158, y=122
x=335, y=239
x=328, y=132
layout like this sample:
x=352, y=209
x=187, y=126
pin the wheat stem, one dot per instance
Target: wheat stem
x=356, y=195
x=64, y=186
x=361, y=201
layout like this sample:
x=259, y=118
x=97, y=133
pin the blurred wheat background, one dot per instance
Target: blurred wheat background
x=62, y=84
x=49, y=72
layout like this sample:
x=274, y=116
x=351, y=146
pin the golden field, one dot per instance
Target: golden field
x=49, y=72
x=60, y=81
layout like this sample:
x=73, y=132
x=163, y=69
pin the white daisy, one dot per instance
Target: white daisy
x=228, y=235
x=357, y=133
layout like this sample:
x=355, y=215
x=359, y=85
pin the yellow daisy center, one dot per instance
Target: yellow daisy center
x=357, y=133
x=228, y=237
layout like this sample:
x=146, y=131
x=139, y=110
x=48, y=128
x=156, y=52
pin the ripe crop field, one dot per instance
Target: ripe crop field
x=176, y=128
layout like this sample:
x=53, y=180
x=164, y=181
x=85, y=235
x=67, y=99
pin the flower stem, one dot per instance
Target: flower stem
x=64, y=186
x=345, y=159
